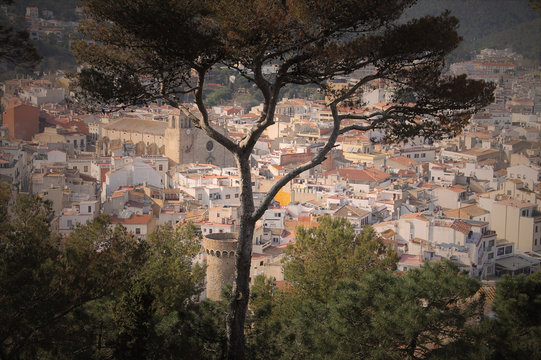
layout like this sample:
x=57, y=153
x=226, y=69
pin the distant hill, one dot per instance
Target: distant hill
x=483, y=23
x=490, y=23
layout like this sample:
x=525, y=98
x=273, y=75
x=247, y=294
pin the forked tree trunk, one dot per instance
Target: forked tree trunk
x=241, y=286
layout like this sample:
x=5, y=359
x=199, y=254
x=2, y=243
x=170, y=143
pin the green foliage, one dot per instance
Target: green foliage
x=157, y=316
x=426, y=313
x=169, y=269
x=133, y=317
x=422, y=314
x=288, y=323
x=46, y=280
x=219, y=96
x=99, y=293
x=517, y=325
x=321, y=256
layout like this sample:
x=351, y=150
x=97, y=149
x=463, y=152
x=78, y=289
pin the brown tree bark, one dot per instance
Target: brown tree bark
x=240, y=294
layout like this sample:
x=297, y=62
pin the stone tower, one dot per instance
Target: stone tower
x=220, y=249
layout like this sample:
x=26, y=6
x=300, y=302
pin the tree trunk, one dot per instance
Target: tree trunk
x=240, y=295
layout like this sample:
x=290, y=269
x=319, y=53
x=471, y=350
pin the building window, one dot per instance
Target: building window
x=210, y=231
x=508, y=249
x=69, y=223
x=89, y=208
x=228, y=196
x=160, y=167
x=138, y=230
x=500, y=251
x=200, y=197
x=236, y=195
x=416, y=156
x=491, y=256
x=423, y=155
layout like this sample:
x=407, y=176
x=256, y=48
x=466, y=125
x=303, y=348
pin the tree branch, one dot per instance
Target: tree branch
x=318, y=159
x=354, y=88
x=270, y=95
x=204, y=122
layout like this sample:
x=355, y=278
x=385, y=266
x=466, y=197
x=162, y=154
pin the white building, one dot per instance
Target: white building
x=274, y=218
x=135, y=173
x=529, y=175
x=78, y=214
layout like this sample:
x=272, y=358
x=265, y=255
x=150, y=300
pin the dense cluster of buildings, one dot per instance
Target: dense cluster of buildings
x=473, y=199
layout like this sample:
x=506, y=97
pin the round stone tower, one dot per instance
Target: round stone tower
x=220, y=248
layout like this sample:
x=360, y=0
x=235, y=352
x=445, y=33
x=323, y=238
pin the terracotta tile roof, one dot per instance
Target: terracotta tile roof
x=406, y=173
x=353, y=174
x=414, y=216
x=348, y=211
x=410, y=259
x=133, y=220
x=466, y=212
x=461, y=226
x=404, y=161
x=454, y=188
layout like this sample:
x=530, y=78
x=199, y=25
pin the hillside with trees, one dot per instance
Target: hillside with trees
x=496, y=23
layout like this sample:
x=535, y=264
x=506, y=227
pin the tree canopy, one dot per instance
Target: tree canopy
x=427, y=313
x=518, y=317
x=145, y=50
x=99, y=293
x=321, y=256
